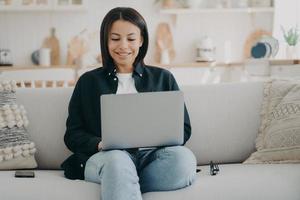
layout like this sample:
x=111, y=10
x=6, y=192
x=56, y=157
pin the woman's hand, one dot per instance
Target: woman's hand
x=100, y=146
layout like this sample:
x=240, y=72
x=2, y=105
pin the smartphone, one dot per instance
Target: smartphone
x=24, y=174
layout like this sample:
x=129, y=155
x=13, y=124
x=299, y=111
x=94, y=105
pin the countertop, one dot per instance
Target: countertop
x=172, y=65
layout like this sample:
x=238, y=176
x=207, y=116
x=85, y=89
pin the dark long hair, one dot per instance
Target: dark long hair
x=126, y=14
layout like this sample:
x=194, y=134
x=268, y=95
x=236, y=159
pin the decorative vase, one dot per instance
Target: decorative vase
x=290, y=52
x=165, y=57
x=44, y=57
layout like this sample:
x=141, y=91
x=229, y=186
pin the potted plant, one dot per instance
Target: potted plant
x=291, y=37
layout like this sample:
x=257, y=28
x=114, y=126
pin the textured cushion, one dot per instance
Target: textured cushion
x=16, y=149
x=278, y=139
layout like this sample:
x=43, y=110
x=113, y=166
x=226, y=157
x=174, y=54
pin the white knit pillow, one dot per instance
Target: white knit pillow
x=278, y=139
x=16, y=150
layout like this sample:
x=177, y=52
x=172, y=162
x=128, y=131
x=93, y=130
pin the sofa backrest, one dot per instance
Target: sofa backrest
x=47, y=110
x=224, y=117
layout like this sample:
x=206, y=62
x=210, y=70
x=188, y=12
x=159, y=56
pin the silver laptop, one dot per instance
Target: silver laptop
x=149, y=119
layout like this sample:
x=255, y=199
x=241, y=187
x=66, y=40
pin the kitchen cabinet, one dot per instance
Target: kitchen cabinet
x=42, y=5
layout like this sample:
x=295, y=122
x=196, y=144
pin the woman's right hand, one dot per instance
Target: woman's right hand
x=100, y=146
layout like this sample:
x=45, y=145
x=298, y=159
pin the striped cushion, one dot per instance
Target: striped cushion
x=16, y=149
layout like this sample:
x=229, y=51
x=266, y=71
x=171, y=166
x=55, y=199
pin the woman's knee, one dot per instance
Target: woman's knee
x=178, y=156
x=119, y=167
x=182, y=163
x=115, y=163
x=174, y=168
x=117, y=160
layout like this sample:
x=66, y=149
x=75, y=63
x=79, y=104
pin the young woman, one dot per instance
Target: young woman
x=123, y=174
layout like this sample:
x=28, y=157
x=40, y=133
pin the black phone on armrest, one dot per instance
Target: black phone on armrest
x=24, y=174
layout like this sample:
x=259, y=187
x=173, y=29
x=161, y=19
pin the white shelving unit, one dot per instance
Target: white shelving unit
x=216, y=10
x=74, y=5
x=42, y=5
x=252, y=11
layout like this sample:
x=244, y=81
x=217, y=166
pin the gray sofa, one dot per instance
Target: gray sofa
x=225, y=120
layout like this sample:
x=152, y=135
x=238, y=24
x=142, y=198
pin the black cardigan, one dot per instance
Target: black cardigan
x=83, y=124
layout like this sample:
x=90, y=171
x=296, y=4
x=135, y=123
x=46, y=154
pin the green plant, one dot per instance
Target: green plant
x=291, y=36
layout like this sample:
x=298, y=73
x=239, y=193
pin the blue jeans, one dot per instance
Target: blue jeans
x=126, y=176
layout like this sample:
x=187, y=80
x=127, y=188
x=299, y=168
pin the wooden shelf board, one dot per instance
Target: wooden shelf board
x=16, y=68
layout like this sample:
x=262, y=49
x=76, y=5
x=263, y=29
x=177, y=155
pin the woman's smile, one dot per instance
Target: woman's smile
x=123, y=54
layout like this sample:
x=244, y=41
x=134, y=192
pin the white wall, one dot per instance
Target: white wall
x=286, y=15
x=23, y=32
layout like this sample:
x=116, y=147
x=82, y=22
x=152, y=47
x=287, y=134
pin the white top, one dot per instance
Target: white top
x=126, y=84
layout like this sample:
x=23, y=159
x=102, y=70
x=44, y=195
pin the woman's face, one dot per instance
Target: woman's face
x=124, y=42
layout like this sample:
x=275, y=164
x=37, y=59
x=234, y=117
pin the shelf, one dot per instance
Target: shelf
x=198, y=64
x=273, y=62
x=216, y=10
x=174, y=13
x=34, y=9
x=34, y=67
x=71, y=7
x=51, y=5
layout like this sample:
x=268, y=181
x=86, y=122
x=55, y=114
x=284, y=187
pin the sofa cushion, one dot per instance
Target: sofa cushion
x=225, y=119
x=234, y=182
x=16, y=149
x=239, y=181
x=47, y=110
x=278, y=140
x=47, y=185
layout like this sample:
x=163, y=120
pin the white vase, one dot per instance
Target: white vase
x=290, y=52
x=165, y=57
x=44, y=57
x=297, y=51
